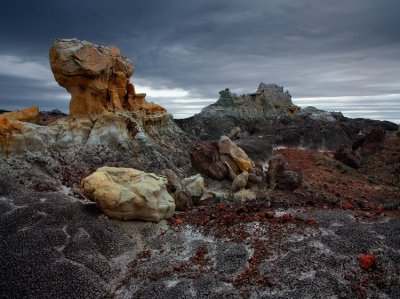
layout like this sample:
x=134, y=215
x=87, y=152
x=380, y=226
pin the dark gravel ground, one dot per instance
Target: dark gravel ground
x=53, y=246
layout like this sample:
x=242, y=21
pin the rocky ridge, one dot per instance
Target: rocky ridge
x=268, y=117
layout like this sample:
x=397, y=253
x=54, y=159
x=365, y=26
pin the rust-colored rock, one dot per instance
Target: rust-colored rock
x=206, y=159
x=97, y=78
x=367, y=261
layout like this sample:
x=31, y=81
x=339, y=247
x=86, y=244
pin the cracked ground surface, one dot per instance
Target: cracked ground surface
x=53, y=246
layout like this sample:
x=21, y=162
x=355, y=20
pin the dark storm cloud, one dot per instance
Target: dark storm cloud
x=315, y=48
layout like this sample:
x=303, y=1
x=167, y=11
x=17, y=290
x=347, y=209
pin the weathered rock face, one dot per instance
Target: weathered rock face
x=97, y=78
x=289, y=180
x=127, y=193
x=268, y=117
x=12, y=124
x=364, y=146
x=276, y=165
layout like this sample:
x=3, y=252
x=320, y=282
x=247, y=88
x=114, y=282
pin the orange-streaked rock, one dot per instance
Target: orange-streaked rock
x=29, y=115
x=97, y=78
x=7, y=128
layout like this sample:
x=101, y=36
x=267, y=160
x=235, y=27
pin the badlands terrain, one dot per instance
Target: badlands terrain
x=253, y=197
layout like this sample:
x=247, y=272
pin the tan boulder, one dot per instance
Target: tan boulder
x=226, y=146
x=240, y=182
x=128, y=194
x=195, y=186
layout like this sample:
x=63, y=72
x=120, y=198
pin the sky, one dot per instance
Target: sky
x=341, y=55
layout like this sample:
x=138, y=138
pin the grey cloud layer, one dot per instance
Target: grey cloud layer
x=315, y=48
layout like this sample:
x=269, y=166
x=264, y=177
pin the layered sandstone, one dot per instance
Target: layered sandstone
x=97, y=78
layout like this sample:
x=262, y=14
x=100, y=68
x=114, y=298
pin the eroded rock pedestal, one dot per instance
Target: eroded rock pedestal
x=97, y=78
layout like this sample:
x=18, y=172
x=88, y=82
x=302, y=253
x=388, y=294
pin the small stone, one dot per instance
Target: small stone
x=367, y=261
x=311, y=221
x=240, y=182
x=178, y=220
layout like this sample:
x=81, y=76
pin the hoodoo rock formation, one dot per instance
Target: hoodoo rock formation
x=97, y=78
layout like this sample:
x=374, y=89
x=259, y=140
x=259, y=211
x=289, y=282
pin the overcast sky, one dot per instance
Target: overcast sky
x=341, y=55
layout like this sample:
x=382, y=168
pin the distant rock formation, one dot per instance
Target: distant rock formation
x=268, y=118
x=268, y=98
x=97, y=78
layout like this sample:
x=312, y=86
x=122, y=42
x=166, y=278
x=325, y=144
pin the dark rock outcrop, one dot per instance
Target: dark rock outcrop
x=347, y=157
x=370, y=143
x=280, y=177
x=363, y=146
